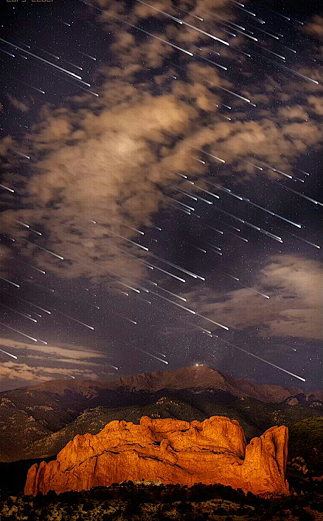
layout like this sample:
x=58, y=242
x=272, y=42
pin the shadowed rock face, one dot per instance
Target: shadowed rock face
x=168, y=451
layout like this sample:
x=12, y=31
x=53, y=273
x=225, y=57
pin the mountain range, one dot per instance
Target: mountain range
x=38, y=421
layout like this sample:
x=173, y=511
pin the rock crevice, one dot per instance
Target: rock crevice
x=170, y=451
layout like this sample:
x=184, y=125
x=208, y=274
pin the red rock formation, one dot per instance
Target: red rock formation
x=168, y=451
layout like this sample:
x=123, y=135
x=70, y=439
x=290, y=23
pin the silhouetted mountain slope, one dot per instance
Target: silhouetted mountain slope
x=38, y=421
x=253, y=415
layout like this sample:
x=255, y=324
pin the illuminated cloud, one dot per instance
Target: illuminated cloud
x=294, y=309
x=36, y=362
x=314, y=27
x=19, y=105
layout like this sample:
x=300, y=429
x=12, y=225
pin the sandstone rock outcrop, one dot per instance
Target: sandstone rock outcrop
x=171, y=452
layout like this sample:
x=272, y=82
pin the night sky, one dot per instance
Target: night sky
x=160, y=189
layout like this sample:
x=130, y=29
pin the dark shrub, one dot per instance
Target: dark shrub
x=87, y=506
x=304, y=515
x=183, y=507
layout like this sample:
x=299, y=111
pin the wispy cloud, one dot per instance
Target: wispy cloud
x=293, y=310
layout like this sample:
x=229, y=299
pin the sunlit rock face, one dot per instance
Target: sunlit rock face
x=171, y=452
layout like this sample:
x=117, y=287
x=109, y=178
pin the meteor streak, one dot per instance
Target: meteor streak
x=152, y=35
x=287, y=68
x=85, y=90
x=132, y=242
x=34, y=305
x=153, y=267
x=272, y=213
x=127, y=286
x=208, y=154
x=166, y=291
x=19, y=153
x=190, y=311
x=213, y=322
x=304, y=240
x=300, y=195
x=150, y=354
x=211, y=227
x=201, y=78
x=126, y=318
x=262, y=359
x=272, y=52
x=243, y=285
x=175, y=303
x=206, y=191
x=44, y=249
x=87, y=55
x=244, y=9
x=217, y=252
x=193, y=15
x=186, y=193
x=113, y=366
x=182, y=204
x=25, y=225
x=237, y=95
x=39, y=285
x=271, y=235
x=42, y=50
x=210, y=61
x=197, y=248
x=179, y=268
x=18, y=313
x=9, y=354
x=246, y=200
x=187, y=24
x=206, y=331
x=247, y=35
x=73, y=65
x=164, y=271
x=187, y=212
x=303, y=172
x=32, y=87
x=45, y=61
x=9, y=53
x=265, y=32
x=33, y=267
x=6, y=188
x=19, y=332
x=75, y=320
x=10, y=282
x=134, y=229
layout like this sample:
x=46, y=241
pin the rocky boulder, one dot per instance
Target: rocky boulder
x=171, y=452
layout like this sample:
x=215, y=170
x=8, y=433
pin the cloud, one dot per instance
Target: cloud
x=294, y=309
x=314, y=27
x=25, y=373
x=19, y=105
x=68, y=352
x=111, y=158
x=5, y=254
x=36, y=363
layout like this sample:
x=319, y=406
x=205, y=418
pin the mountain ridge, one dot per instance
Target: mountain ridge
x=37, y=421
x=203, y=376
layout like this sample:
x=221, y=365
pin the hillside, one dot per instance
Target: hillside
x=38, y=421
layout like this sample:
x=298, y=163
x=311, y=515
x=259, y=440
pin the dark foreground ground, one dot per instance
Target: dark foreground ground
x=141, y=502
